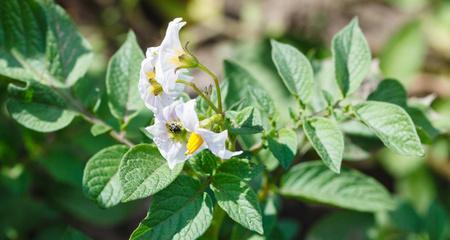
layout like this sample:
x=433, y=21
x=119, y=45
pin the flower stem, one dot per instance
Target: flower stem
x=201, y=94
x=216, y=82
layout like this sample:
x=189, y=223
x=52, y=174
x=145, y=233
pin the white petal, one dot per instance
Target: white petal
x=176, y=154
x=172, y=38
x=172, y=151
x=151, y=52
x=187, y=115
x=170, y=48
x=216, y=143
x=169, y=113
x=151, y=101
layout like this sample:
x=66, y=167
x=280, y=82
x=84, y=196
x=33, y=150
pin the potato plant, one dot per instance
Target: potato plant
x=215, y=152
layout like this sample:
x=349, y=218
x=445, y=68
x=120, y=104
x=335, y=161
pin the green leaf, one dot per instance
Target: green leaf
x=392, y=125
x=122, y=79
x=246, y=121
x=437, y=222
x=239, y=167
x=68, y=54
x=350, y=189
x=424, y=127
x=238, y=200
x=342, y=225
x=144, y=172
x=351, y=56
x=294, y=68
x=101, y=176
x=397, y=60
x=37, y=46
x=74, y=234
x=38, y=107
x=23, y=28
x=262, y=101
x=284, y=146
x=390, y=91
x=241, y=85
x=287, y=229
x=181, y=211
x=327, y=139
x=89, y=91
x=99, y=129
x=204, y=162
x=405, y=218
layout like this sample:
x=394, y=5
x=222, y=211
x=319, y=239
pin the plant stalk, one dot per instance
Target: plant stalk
x=201, y=94
x=216, y=82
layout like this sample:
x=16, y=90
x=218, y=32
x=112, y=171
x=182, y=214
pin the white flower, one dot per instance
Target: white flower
x=159, y=73
x=169, y=55
x=178, y=134
x=154, y=92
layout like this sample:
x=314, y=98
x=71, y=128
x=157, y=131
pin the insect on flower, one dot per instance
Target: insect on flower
x=178, y=135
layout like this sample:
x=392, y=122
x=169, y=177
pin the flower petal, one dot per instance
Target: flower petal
x=168, y=113
x=176, y=154
x=187, y=115
x=172, y=151
x=152, y=52
x=148, y=66
x=215, y=142
x=169, y=50
x=172, y=38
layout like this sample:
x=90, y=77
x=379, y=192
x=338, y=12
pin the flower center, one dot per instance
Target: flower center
x=194, y=143
x=155, y=88
x=176, y=131
x=177, y=59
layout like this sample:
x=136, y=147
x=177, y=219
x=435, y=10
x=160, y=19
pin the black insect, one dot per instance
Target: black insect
x=174, y=127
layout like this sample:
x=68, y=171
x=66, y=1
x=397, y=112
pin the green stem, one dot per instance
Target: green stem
x=201, y=94
x=216, y=82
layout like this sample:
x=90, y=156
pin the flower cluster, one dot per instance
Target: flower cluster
x=177, y=131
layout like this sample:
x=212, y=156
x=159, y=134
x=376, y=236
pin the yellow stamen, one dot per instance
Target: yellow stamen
x=151, y=75
x=194, y=143
x=155, y=88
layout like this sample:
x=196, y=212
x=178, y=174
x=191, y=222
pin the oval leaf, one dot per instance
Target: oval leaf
x=284, y=147
x=239, y=167
x=144, y=172
x=241, y=84
x=328, y=141
x=315, y=182
x=101, y=179
x=68, y=53
x=351, y=56
x=238, y=200
x=38, y=107
x=43, y=44
x=122, y=79
x=391, y=91
x=294, y=68
x=392, y=125
x=181, y=211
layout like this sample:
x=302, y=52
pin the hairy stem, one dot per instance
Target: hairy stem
x=201, y=94
x=216, y=82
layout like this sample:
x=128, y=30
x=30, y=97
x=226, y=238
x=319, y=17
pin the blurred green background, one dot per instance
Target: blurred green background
x=40, y=174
